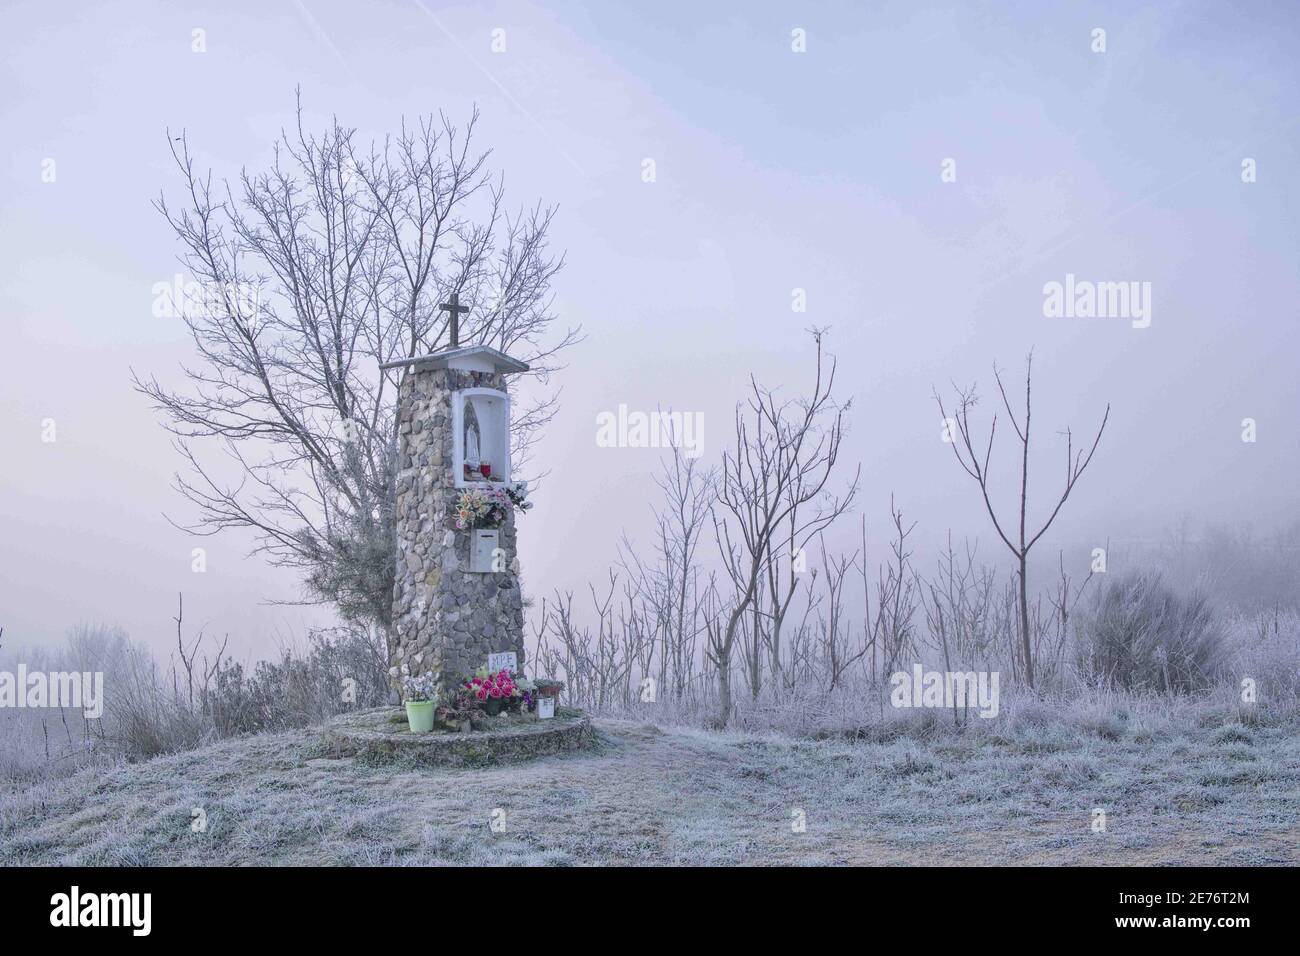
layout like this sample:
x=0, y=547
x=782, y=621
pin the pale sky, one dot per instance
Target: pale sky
x=775, y=170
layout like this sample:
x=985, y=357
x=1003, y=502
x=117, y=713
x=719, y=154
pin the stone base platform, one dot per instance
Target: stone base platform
x=382, y=735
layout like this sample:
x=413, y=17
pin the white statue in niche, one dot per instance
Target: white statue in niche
x=471, y=440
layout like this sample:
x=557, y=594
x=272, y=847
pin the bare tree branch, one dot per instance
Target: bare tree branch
x=312, y=274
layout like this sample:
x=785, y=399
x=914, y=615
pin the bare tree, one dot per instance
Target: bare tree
x=1053, y=630
x=1019, y=543
x=890, y=632
x=789, y=552
x=189, y=660
x=313, y=274
x=784, y=453
x=960, y=603
x=669, y=581
x=839, y=655
x=596, y=667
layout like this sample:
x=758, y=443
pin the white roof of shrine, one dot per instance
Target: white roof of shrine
x=480, y=358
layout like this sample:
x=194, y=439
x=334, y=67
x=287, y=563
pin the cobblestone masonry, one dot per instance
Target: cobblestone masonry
x=447, y=620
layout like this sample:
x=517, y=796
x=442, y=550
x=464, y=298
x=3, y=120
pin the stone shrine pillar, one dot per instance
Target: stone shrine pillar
x=456, y=597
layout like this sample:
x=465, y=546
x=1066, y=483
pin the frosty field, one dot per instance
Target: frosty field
x=1180, y=784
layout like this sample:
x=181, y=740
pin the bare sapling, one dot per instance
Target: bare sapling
x=1018, y=536
x=781, y=462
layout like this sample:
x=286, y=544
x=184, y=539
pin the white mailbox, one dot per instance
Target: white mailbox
x=484, y=546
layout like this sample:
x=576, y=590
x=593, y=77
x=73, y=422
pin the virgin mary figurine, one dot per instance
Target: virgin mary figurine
x=471, y=443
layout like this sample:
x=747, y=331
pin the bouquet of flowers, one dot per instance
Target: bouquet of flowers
x=485, y=508
x=490, y=507
x=549, y=687
x=486, y=685
x=494, y=691
x=417, y=687
x=527, y=692
x=517, y=492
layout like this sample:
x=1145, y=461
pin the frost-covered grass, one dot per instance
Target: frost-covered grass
x=1183, y=782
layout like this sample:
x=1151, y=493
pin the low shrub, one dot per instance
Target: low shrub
x=1142, y=635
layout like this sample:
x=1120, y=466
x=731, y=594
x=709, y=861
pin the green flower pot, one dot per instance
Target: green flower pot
x=493, y=705
x=419, y=714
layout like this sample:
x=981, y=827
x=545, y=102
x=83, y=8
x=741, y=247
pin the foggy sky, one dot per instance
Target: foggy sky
x=775, y=170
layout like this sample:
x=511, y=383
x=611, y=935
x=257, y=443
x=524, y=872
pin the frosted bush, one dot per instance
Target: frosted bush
x=1142, y=635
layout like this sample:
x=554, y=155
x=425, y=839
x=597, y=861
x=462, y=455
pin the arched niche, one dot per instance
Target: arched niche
x=480, y=417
